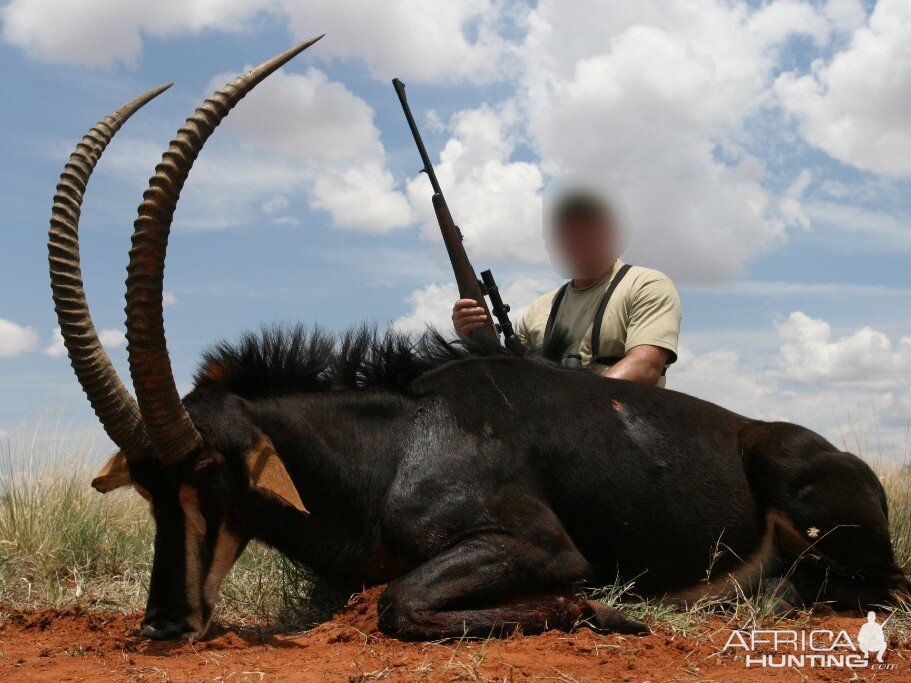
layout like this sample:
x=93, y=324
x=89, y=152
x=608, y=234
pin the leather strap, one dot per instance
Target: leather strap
x=599, y=316
x=554, y=307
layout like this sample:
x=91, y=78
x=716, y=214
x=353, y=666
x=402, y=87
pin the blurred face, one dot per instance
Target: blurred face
x=584, y=243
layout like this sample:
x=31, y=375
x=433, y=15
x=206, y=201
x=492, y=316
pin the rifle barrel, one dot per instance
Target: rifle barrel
x=425, y=158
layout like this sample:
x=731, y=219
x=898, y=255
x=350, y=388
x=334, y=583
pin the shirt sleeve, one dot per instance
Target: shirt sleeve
x=655, y=316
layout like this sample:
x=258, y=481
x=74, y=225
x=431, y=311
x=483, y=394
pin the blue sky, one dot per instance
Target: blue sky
x=761, y=153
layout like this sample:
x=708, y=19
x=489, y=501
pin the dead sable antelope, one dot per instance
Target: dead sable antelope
x=481, y=485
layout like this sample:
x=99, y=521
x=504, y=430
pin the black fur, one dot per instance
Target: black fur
x=483, y=486
x=280, y=360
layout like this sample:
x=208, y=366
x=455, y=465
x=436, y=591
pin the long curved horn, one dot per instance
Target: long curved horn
x=167, y=422
x=113, y=404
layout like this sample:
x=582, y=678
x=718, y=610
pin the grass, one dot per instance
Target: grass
x=63, y=545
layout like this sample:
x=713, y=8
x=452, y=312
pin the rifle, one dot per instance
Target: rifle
x=466, y=279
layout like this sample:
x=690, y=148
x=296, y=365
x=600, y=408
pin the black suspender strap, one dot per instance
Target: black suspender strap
x=599, y=316
x=554, y=307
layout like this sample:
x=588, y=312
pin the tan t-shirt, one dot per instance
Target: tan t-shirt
x=644, y=309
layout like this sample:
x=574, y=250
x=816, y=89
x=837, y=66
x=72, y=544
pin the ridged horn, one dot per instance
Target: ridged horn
x=166, y=420
x=113, y=404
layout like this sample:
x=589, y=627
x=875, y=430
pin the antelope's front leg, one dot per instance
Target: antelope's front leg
x=493, y=584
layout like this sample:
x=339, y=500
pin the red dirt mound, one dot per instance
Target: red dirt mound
x=72, y=645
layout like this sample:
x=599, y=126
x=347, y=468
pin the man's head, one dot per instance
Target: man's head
x=582, y=233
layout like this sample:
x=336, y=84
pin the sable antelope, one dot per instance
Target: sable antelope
x=483, y=486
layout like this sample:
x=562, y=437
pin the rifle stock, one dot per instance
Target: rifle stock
x=465, y=276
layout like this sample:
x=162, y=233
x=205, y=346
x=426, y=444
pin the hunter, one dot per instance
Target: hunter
x=623, y=321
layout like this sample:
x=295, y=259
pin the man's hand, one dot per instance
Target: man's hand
x=467, y=316
x=643, y=363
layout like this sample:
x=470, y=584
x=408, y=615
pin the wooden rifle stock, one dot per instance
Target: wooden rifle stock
x=466, y=279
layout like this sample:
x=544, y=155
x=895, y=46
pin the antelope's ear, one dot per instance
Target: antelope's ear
x=268, y=472
x=114, y=475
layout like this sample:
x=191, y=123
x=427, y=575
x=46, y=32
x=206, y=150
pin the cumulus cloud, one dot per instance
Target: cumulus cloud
x=16, y=339
x=864, y=358
x=432, y=305
x=724, y=377
x=418, y=40
x=361, y=197
x=100, y=32
x=110, y=338
x=654, y=97
x=414, y=39
x=854, y=106
x=226, y=188
x=330, y=135
x=852, y=389
x=495, y=200
x=304, y=116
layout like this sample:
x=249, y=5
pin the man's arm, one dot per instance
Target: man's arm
x=643, y=363
x=651, y=336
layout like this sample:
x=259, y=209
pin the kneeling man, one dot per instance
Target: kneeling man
x=623, y=321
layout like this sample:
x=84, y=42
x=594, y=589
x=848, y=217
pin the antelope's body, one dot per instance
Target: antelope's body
x=481, y=485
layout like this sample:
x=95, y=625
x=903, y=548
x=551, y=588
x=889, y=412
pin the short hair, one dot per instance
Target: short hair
x=582, y=204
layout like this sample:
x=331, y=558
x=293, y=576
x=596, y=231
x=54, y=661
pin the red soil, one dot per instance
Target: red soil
x=72, y=645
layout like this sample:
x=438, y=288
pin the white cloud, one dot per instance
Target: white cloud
x=304, y=116
x=722, y=376
x=432, y=305
x=864, y=358
x=168, y=298
x=100, y=32
x=110, y=338
x=855, y=105
x=414, y=39
x=496, y=202
x=361, y=197
x=870, y=423
x=226, y=188
x=330, y=135
x=56, y=348
x=653, y=98
x=853, y=390
x=880, y=229
x=16, y=339
x=417, y=40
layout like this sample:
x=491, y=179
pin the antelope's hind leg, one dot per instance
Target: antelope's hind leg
x=492, y=585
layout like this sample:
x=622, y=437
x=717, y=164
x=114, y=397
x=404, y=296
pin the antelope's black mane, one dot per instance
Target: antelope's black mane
x=284, y=359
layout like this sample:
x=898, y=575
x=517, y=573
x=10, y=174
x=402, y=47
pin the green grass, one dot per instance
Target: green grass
x=64, y=545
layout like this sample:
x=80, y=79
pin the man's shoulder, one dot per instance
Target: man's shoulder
x=540, y=307
x=643, y=275
x=544, y=302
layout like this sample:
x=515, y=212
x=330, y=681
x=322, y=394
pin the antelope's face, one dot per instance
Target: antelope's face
x=201, y=509
x=197, y=495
